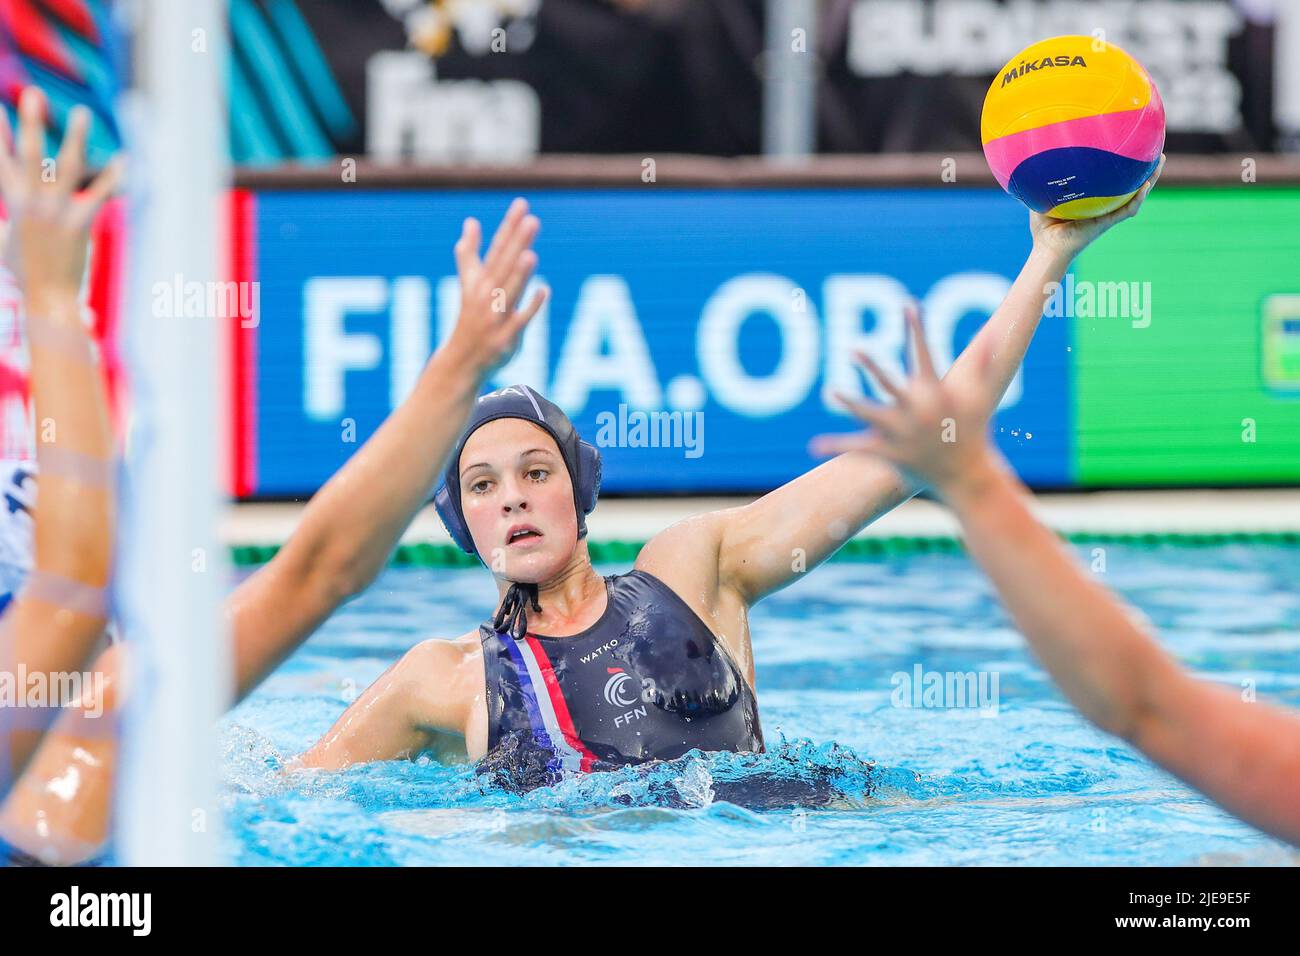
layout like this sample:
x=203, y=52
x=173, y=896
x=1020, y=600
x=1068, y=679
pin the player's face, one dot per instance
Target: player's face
x=518, y=500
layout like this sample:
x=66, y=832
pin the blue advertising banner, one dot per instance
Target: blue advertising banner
x=693, y=335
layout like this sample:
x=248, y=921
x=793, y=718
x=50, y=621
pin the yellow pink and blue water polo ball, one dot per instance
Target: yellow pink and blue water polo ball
x=1072, y=127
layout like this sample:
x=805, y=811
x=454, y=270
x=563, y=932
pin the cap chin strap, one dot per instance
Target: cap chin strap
x=512, y=616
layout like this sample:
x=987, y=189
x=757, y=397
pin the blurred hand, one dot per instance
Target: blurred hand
x=488, y=330
x=49, y=223
x=1069, y=237
x=932, y=431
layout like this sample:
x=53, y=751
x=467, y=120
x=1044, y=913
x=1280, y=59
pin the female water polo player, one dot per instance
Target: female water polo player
x=1244, y=756
x=55, y=558
x=579, y=671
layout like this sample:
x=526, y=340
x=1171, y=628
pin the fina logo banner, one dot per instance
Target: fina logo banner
x=692, y=335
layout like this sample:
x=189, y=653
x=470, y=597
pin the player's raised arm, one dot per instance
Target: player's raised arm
x=351, y=526
x=55, y=621
x=818, y=511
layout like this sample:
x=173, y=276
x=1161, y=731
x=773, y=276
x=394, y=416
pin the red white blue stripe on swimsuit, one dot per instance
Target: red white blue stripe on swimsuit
x=547, y=710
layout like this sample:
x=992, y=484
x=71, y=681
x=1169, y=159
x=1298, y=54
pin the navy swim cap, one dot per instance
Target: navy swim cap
x=519, y=401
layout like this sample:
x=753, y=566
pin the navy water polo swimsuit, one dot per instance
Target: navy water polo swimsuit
x=648, y=681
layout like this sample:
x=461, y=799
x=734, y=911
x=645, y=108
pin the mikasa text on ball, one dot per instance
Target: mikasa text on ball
x=1072, y=126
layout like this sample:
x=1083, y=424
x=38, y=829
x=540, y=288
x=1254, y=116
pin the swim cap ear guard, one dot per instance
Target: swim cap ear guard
x=519, y=401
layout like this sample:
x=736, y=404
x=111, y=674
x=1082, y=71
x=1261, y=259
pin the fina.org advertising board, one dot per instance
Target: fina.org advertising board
x=694, y=335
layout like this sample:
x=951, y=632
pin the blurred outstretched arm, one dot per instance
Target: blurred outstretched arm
x=1244, y=755
x=350, y=527
x=55, y=621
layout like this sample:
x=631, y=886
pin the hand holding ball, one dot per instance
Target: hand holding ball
x=1072, y=127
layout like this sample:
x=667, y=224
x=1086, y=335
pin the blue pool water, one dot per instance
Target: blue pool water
x=1026, y=783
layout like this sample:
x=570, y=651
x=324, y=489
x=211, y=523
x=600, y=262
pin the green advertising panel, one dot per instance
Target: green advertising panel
x=1187, y=341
